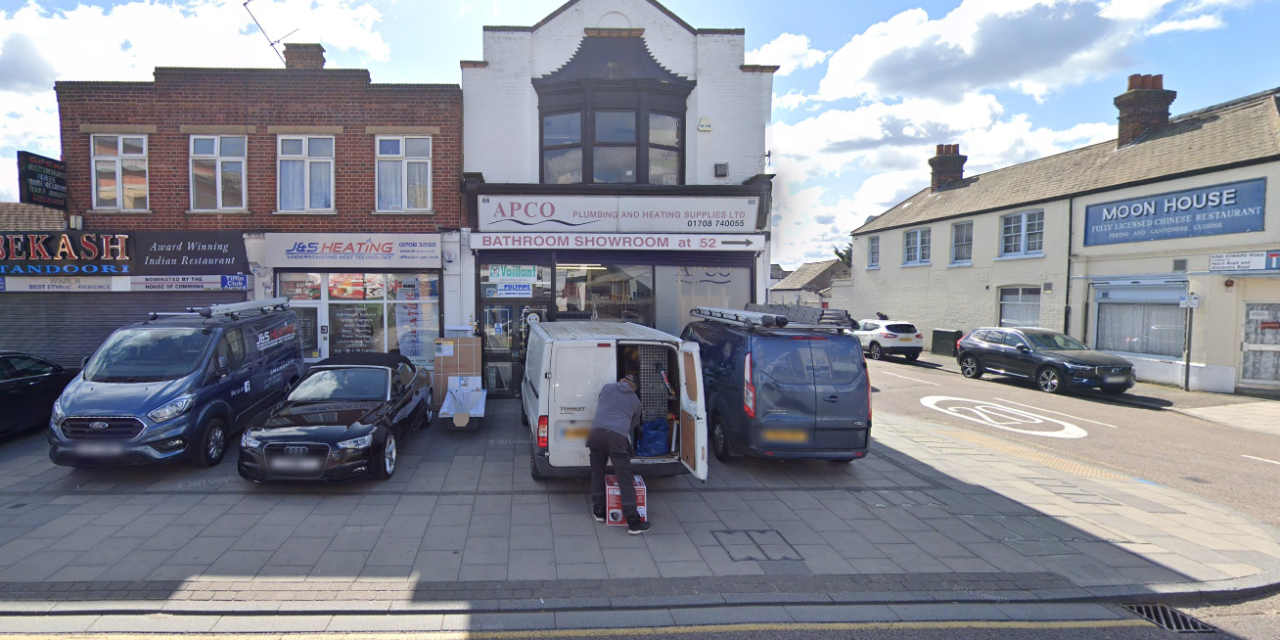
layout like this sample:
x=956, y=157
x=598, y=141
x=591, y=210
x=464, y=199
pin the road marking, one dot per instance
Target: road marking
x=934, y=384
x=1260, y=459
x=1001, y=417
x=1059, y=413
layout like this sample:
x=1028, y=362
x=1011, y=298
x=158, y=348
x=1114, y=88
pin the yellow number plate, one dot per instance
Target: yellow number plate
x=906, y=339
x=786, y=435
x=575, y=433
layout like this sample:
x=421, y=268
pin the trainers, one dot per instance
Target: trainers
x=598, y=514
x=637, y=528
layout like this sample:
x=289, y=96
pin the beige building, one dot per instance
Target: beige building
x=1110, y=243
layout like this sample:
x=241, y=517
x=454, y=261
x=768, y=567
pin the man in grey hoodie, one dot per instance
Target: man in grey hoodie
x=617, y=413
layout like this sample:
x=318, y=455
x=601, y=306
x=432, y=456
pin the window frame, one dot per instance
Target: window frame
x=1023, y=236
x=581, y=145
x=118, y=160
x=587, y=104
x=873, y=252
x=306, y=160
x=956, y=244
x=218, y=159
x=379, y=158
x=923, y=244
x=1023, y=291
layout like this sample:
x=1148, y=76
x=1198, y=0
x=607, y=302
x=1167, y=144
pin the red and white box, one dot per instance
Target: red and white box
x=613, y=501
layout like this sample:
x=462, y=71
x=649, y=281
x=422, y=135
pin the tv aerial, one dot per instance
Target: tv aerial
x=272, y=43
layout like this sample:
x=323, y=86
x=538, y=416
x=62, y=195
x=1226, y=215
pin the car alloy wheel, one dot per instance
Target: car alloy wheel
x=1049, y=380
x=876, y=352
x=389, y=454
x=212, y=445
x=217, y=442
x=970, y=368
x=720, y=440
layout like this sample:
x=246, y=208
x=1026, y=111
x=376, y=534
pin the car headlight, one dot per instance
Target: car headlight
x=1079, y=367
x=58, y=412
x=171, y=410
x=363, y=442
x=247, y=441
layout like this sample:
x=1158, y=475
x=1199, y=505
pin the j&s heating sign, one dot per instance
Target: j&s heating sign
x=1236, y=207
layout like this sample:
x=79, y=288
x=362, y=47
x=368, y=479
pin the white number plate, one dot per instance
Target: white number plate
x=295, y=464
x=99, y=449
x=1115, y=379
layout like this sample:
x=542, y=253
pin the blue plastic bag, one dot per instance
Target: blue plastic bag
x=654, y=439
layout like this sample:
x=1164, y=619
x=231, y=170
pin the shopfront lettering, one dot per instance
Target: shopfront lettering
x=33, y=247
x=617, y=214
x=618, y=241
x=1229, y=208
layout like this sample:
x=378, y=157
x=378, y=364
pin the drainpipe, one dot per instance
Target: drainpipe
x=1071, y=228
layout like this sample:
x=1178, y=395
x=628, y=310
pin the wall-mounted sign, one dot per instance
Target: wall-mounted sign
x=189, y=283
x=1245, y=261
x=617, y=241
x=64, y=284
x=511, y=291
x=513, y=274
x=25, y=253
x=42, y=181
x=1236, y=207
x=603, y=214
x=190, y=253
x=357, y=252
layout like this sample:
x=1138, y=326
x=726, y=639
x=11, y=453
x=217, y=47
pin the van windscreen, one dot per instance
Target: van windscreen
x=148, y=355
x=901, y=328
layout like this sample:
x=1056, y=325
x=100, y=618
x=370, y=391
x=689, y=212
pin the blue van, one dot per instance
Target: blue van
x=790, y=392
x=177, y=387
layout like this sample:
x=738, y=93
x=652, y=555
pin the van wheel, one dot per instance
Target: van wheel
x=383, y=463
x=970, y=368
x=212, y=445
x=876, y=352
x=720, y=441
x=533, y=469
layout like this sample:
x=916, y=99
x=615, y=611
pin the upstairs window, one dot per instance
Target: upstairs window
x=305, y=173
x=217, y=173
x=612, y=146
x=1022, y=234
x=562, y=148
x=962, y=243
x=120, y=172
x=873, y=252
x=404, y=174
x=915, y=249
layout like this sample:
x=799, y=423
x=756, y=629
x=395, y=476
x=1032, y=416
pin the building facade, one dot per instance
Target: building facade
x=615, y=160
x=1161, y=246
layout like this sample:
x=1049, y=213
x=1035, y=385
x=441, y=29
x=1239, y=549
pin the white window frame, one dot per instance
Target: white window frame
x=955, y=243
x=404, y=160
x=1021, y=302
x=117, y=160
x=306, y=173
x=1022, y=236
x=219, y=159
x=873, y=252
x=921, y=240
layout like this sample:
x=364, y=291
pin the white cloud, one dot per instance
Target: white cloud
x=1132, y=9
x=1206, y=22
x=790, y=52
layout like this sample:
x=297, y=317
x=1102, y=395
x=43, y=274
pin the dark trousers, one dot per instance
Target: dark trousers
x=607, y=445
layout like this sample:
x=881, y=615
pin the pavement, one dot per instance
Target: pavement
x=937, y=523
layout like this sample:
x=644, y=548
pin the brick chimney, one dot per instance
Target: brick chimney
x=303, y=56
x=948, y=166
x=1143, y=108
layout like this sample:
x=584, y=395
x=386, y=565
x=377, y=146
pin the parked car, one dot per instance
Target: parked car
x=1054, y=361
x=177, y=387
x=783, y=393
x=882, y=338
x=28, y=388
x=347, y=419
x=568, y=363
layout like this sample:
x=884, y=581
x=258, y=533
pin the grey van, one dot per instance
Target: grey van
x=783, y=392
x=177, y=387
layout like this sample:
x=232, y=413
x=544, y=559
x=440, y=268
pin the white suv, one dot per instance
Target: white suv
x=889, y=337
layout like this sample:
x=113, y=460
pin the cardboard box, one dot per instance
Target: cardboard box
x=455, y=357
x=613, y=501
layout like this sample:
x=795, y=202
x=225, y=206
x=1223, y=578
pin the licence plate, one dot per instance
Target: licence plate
x=1115, y=379
x=906, y=339
x=100, y=449
x=575, y=433
x=785, y=435
x=295, y=464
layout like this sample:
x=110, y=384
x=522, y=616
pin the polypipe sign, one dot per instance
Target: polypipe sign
x=353, y=251
x=603, y=214
x=618, y=241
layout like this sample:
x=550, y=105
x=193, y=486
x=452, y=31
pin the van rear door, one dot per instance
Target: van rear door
x=693, y=412
x=579, y=369
x=842, y=388
x=785, y=407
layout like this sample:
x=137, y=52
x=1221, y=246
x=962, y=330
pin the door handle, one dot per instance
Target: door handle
x=832, y=398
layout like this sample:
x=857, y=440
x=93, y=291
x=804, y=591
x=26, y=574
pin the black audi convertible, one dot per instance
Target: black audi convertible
x=345, y=419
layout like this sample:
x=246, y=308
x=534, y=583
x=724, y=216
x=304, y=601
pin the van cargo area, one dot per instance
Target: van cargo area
x=652, y=364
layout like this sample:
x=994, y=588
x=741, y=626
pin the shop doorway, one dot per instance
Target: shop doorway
x=1260, y=360
x=513, y=297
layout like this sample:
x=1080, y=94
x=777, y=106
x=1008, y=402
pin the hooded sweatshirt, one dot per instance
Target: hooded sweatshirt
x=617, y=409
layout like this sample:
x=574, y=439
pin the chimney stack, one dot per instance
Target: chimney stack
x=303, y=56
x=948, y=166
x=1143, y=108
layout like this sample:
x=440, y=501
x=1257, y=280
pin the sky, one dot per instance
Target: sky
x=866, y=88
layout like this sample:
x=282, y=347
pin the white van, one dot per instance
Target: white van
x=567, y=365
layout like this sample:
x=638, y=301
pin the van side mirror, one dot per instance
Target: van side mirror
x=84, y=362
x=222, y=365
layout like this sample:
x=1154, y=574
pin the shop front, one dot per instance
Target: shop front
x=63, y=293
x=360, y=293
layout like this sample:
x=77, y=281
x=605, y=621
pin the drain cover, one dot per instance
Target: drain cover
x=1170, y=619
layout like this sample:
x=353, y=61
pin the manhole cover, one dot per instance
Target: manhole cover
x=1170, y=619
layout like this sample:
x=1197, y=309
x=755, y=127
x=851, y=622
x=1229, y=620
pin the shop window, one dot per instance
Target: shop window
x=404, y=174
x=217, y=173
x=873, y=252
x=915, y=246
x=681, y=288
x=1020, y=307
x=1022, y=234
x=962, y=243
x=498, y=281
x=605, y=292
x=304, y=173
x=120, y=172
x=1145, y=328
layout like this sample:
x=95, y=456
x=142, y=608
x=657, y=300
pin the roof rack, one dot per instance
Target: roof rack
x=811, y=316
x=233, y=309
x=752, y=319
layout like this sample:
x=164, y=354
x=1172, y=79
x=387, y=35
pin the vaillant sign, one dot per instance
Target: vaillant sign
x=608, y=214
x=1235, y=207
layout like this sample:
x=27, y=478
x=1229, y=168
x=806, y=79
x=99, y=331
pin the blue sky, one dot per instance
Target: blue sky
x=866, y=90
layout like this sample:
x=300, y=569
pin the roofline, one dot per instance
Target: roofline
x=566, y=6
x=1076, y=194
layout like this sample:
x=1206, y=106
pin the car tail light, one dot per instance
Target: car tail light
x=962, y=337
x=542, y=431
x=864, y=368
x=748, y=390
x=889, y=335
x=920, y=335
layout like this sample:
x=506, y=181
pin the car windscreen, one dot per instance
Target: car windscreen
x=148, y=354
x=900, y=328
x=1055, y=342
x=352, y=385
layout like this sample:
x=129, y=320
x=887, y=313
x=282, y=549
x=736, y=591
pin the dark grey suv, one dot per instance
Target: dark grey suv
x=1055, y=361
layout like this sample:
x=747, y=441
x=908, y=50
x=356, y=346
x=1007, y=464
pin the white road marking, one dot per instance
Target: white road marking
x=1259, y=459
x=1059, y=413
x=1001, y=417
x=934, y=384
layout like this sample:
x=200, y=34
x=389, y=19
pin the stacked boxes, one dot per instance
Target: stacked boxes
x=455, y=357
x=613, y=501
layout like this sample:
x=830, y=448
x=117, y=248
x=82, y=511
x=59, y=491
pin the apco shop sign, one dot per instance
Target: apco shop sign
x=190, y=254
x=360, y=252
x=1236, y=207
x=617, y=241
x=615, y=214
x=1245, y=261
x=42, y=181
x=66, y=253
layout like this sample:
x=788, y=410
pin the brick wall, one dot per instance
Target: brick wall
x=263, y=98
